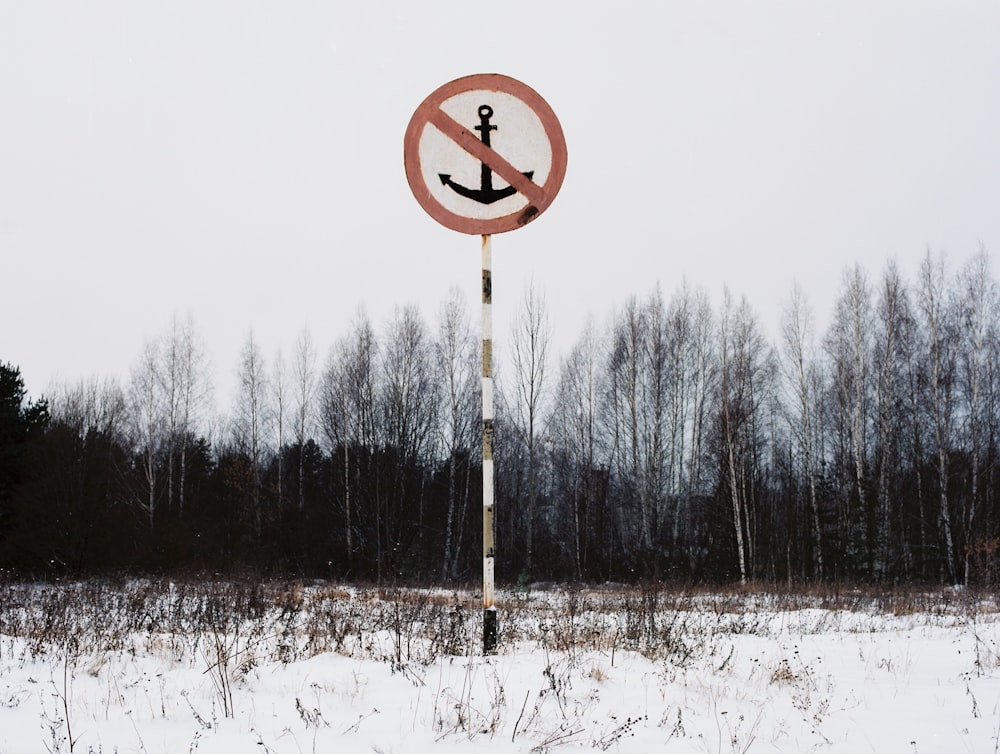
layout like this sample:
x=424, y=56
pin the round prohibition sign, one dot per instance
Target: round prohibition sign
x=484, y=154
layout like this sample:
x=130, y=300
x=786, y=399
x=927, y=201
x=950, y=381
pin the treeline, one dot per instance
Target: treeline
x=677, y=441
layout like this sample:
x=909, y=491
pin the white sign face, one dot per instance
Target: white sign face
x=516, y=132
x=484, y=154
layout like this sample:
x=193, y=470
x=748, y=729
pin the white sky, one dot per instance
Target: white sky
x=242, y=161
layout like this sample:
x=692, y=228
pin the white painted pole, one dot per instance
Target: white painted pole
x=489, y=608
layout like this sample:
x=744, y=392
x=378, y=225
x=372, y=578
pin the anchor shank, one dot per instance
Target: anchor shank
x=486, y=179
x=484, y=128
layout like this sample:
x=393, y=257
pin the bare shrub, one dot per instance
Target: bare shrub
x=232, y=626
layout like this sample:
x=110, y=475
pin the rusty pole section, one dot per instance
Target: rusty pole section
x=489, y=609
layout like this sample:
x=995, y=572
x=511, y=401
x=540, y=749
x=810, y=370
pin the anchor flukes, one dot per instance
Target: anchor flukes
x=486, y=195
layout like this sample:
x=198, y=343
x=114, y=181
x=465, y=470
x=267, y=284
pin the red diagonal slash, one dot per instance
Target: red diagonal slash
x=471, y=143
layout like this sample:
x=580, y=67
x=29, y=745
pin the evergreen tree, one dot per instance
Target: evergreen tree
x=19, y=423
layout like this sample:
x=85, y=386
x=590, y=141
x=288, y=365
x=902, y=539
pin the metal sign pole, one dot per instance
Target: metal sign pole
x=440, y=148
x=489, y=609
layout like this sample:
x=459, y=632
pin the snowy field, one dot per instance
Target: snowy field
x=162, y=667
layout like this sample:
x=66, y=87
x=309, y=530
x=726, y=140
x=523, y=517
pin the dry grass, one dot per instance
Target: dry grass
x=239, y=623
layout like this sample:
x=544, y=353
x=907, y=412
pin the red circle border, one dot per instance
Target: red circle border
x=493, y=82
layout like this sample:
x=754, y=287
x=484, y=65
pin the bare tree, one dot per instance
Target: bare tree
x=576, y=420
x=849, y=347
x=530, y=343
x=797, y=337
x=410, y=403
x=891, y=336
x=305, y=391
x=690, y=370
x=349, y=391
x=169, y=373
x=915, y=373
x=625, y=370
x=980, y=303
x=731, y=420
x=746, y=371
x=662, y=375
x=938, y=314
x=146, y=423
x=250, y=422
x=193, y=392
x=457, y=359
x=702, y=365
x=279, y=403
x=92, y=405
x=410, y=395
x=658, y=373
x=678, y=334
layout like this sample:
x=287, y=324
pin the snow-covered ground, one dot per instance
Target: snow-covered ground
x=162, y=668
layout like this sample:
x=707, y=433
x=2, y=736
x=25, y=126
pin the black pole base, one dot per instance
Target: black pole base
x=489, y=631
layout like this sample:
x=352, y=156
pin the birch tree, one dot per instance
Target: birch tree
x=797, y=334
x=194, y=391
x=659, y=372
x=849, y=347
x=702, y=382
x=457, y=356
x=691, y=372
x=576, y=420
x=305, y=390
x=625, y=387
x=532, y=332
x=938, y=318
x=146, y=423
x=279, y=408
x=979, y=307
x=746, y=370
x=892, y=325
x=410, y=401
x=410, y=394
x=250, y=424
x=639, y=380
x=349, y=392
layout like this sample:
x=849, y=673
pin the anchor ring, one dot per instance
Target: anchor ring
x=485, y=111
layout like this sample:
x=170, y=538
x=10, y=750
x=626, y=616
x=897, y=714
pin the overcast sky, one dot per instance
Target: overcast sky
x=242, y=162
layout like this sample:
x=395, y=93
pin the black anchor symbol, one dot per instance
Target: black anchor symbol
x=485, y=194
